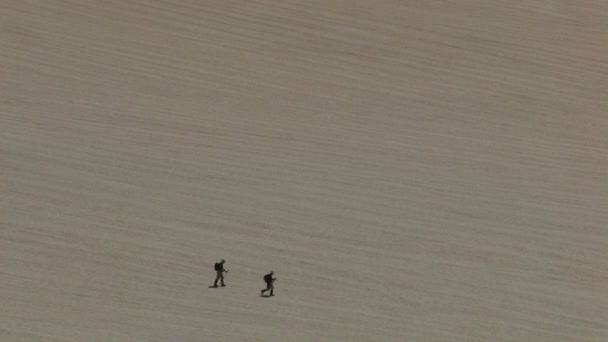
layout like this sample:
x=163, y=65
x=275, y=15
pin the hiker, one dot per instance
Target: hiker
x=269, y=283
x=219, y=270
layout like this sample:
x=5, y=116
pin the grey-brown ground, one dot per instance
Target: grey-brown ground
x=412, y=170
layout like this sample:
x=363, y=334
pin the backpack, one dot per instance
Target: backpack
x=268, y=278
x=217, y=266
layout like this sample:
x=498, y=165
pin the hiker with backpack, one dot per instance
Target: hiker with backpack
x=220, y=270
x=268, y=278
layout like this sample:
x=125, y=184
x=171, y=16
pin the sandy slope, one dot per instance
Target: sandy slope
x=411, y=170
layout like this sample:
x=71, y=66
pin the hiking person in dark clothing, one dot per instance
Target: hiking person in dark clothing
x=269, y=283
x=219, y=270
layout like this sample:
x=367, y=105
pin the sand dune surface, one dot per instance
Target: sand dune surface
x=411, y=170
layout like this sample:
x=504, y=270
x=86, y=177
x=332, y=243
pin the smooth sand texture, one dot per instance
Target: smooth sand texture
x=411, y=170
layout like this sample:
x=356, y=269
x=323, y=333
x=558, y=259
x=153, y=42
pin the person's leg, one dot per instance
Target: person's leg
x=217, y=278
x=271, y=287
x=222, y=278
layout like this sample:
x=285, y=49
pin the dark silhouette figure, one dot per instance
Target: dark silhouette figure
x=269, y=283
x=220, y=270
